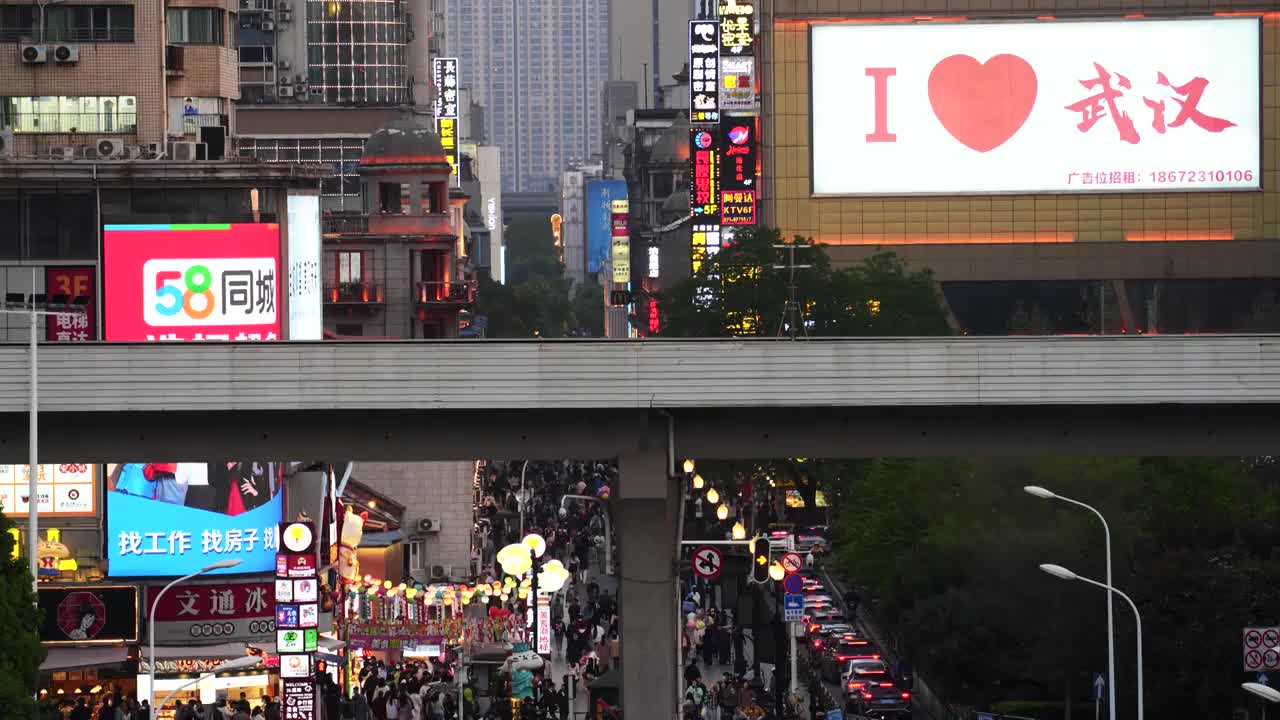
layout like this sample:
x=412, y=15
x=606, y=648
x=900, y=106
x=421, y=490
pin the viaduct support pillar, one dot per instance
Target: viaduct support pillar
x=645, y=511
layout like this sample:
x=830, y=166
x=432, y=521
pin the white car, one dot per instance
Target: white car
x=863, y=671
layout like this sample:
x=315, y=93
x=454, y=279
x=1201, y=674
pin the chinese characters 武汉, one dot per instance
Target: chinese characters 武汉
x=1110, y=88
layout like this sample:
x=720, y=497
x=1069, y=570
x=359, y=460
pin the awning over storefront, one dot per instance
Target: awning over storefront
x=225, y=650
x=64, y=658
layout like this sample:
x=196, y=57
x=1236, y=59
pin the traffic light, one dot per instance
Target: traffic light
x=760, y=559
x=322, y=667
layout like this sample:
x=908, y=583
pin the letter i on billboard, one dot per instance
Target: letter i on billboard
x=704, y=71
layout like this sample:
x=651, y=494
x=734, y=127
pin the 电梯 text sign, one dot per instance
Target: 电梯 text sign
x=1045, y=106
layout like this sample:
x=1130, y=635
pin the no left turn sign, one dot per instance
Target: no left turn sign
x=707, y=562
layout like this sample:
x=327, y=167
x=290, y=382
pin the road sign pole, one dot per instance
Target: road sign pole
x=791, y=630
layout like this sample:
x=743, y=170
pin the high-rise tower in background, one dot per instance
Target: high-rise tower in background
x=539, y=68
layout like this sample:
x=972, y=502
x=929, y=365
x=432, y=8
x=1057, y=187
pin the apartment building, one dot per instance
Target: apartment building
x=115, y=80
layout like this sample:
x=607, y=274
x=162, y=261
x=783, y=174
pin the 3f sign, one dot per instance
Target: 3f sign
x=880, y=76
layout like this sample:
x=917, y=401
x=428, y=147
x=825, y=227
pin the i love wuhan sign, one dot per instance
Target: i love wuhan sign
x=1049, y=106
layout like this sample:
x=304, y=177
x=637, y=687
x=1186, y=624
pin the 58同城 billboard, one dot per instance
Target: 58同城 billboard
x=1045, y=106
x=175, y=518
x=191, y=282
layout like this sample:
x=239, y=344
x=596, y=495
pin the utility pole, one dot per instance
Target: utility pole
x=791, y=315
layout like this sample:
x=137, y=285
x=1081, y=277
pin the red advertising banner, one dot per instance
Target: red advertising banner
x=74, y=282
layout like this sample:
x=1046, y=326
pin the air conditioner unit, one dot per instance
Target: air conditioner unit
x=429, y=525
x=284, y=80
x=182, y=151
x=66, y=53
x=283, y=64
x=6, y=143
x=109, y=148
x=268, y=26
x=440, y=572
x=32, y=54
x=133, y=152
x=62, y=152
x=249, y=4
x=284, y=6
x=297, y=80
x=285, y=17
x=285, y=91
x=153, y=151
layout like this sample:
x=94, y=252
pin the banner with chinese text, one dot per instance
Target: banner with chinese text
x=1031, y=107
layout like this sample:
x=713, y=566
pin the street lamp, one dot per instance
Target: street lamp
x=1265, y=692
x=739, y=532
x=688, y=466
x=608, y=528
x=713, y=497
x=1045, y=494
x=238, y=663
x=1064, y=574
x=151, y=623
x=722, y=512
x=776, y=572
x=698, y=482
x=34, y=306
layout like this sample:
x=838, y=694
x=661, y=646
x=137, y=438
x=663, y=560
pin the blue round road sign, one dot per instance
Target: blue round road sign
x=792, y=584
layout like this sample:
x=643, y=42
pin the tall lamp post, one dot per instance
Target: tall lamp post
x=1064, y=574
x=238, y=663
x=517, y=559
x=151, y=623
x=1265, y=692
x=1111, y=627
x=34, y=306
x=608, y=529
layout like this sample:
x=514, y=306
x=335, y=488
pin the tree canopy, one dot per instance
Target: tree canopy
x=742, y=291
x=949, y=551
x=535, y=301
x=20, y=661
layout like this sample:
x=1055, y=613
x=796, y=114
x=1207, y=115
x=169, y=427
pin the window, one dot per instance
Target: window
x=349, y=330
x=415, y=555
x=350, y=267
x=256, y=53
x=70, y=114
x=68, y=23
x=195, y=26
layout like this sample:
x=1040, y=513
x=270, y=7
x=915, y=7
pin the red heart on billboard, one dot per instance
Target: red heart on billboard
x=982, y=104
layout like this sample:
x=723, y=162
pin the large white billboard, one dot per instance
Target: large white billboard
x=1045, y=106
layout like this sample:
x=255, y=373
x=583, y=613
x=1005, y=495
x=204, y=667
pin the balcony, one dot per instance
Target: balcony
x=434, y=292
x=438, y=225
x=174, y=60
x=360, y=293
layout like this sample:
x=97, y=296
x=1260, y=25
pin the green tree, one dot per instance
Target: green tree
x=947, y=552
x=20, y=661
x=588, y=308
x=742, y=291
x=534, y=302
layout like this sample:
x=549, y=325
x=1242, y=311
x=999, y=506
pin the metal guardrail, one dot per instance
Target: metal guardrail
x=76, y=122
x=346, y=223
x=72, y=35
